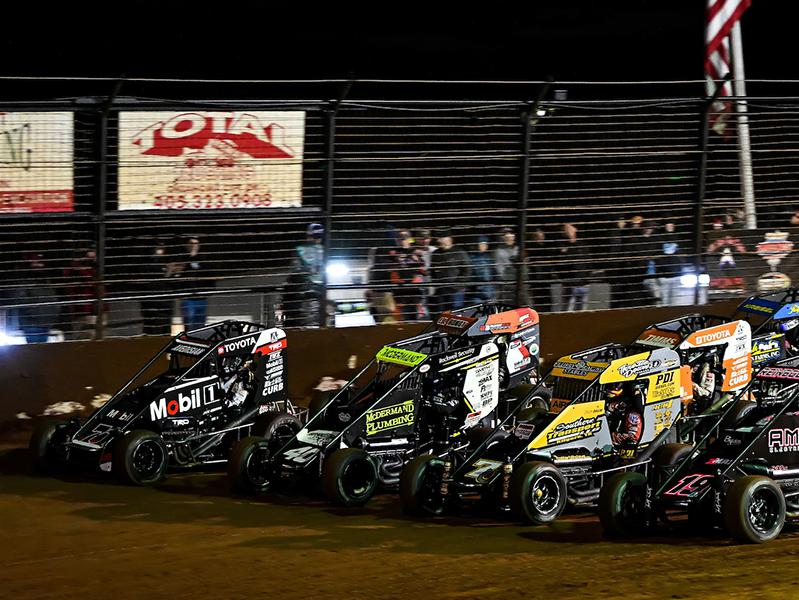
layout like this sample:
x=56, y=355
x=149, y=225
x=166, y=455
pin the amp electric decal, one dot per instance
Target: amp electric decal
x=210, y=159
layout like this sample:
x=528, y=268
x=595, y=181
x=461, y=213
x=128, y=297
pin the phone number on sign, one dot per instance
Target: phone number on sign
x=214, y=201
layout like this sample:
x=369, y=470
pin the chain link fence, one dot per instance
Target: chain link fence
x=140, y=214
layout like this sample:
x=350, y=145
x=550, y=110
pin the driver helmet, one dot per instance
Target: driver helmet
x=614, y=391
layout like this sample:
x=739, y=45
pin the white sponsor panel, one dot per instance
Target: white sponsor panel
x=481, y=387
x=210, y=159
x=36, y=162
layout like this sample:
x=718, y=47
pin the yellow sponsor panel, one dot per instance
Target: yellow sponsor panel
x=663, y=386
x=573, y=368
x=575, y=422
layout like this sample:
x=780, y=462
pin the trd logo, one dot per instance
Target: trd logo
x=665, y=377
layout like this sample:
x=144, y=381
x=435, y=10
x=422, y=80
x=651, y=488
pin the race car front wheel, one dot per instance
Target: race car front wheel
x=537, y=492
x=277, y=428
x=42, y=453
x=754, y=509
x=622, y=509
x=349, y=477
x=249, y=468
x=140, y=457
x=420, y=486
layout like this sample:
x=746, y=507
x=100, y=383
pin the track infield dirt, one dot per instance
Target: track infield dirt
x=188, y=538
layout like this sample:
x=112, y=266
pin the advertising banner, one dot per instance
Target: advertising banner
x=210, y=159
x=36, y=151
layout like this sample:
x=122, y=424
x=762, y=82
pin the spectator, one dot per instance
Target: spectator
x=381, y=266
x=81, y=276
x=505, y=258
x=483, y=273
x=194, y=309
x=425, y=249
x=669, y=264
x=157, y=312
x=36, y=321
x=407, y=273
x=450, y=270
x=540, y=257
x=304, y=294
x=650, y=250
x=572, y=257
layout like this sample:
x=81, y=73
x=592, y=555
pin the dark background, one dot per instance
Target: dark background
x=575, y=40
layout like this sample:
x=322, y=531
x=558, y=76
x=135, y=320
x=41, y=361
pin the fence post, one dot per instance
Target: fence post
x=330, y=158
x=102, y=189
x=699, y=209
x=529, y=110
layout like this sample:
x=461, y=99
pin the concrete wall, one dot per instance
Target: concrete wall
x=35, y=376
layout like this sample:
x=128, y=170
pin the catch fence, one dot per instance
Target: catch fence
x=140, y=213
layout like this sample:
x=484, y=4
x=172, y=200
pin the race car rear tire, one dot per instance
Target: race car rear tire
x=754, y=509
x=277, y=428
x=248, y=468
x=621, y=505
x=42, y=453
x=738, y=412
x=420, y=486
x=477, y=435
x=349, y=477
x=537, y=492
x=141, y=457
x=318, y=400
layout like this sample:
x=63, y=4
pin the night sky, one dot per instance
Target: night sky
x=620, y=40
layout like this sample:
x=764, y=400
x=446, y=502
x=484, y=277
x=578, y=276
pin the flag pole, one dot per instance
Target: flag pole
x=744, y=146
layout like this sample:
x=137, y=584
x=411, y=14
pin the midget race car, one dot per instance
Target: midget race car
x=742, y=476
x=198, y=395
x=775, y=313
x=431, y=393
x=562, y=455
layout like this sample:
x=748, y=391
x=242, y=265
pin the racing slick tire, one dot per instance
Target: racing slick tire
x=277, y=428
x=248, y=468
x=420, y=486
x=477, y=435
x=741, y=409
x=141, y=457
x=349, y=477
x=42, y=453
x=754, y=509
x=621, y=505
x=669, y=455
x=318, y=400
x=537, y=492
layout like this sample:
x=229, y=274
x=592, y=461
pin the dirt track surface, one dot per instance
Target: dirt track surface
x=71, y=537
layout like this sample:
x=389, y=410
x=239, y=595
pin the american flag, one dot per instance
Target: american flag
x=722, y=15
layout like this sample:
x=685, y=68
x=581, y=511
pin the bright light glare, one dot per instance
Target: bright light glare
x=688, y=280
x=337, y=269
x=704, y=279
x=541, y=112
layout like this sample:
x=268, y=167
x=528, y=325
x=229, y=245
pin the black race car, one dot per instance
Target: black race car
x=436, y=391
x=203, y=391
x=742, y=476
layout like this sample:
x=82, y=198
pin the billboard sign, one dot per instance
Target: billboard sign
x=36, y=162
x=210, y=159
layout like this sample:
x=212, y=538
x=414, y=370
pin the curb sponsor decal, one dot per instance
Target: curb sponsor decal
x=390, y=417
x=400, y=356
